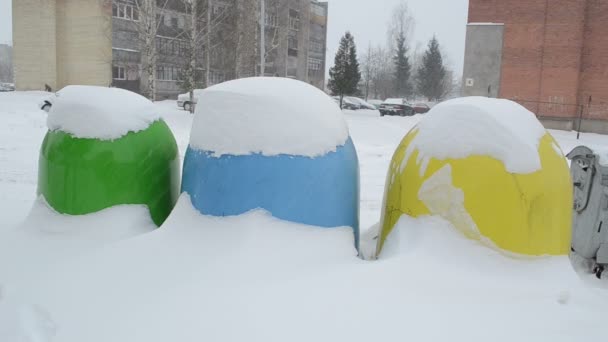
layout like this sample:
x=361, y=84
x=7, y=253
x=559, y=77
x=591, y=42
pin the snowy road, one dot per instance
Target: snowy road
x=188, y=284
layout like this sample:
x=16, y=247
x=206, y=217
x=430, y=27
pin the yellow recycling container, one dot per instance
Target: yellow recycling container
x=490, y=169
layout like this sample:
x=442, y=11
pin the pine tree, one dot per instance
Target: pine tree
x=344, y=76
x=403, y=86
x=354, y=73
x=430, y=79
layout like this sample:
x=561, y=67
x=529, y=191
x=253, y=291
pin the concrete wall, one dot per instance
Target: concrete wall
x=483, y=60
x=34, y=44
x=560, y=124
x=61, y=42
x=84, y=46
x=571, y=124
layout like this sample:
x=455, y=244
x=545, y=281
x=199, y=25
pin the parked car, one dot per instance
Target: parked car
x=375, y=103
x=421, y=108
x=346, y=103
x=396, y=107
x=361, y=102
x=7, y=87
x=183, y=100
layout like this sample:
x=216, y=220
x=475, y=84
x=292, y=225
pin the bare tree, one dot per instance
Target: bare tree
x=378, y=68
x=399, y=32
x=147, y=28
x=377, y=72
x=451, y=81
x=401, y=23
x=450, y=85
x=367, y=69
x=275, y=33
x=246, y=38
x=6, y=64
x=203, y=22
x=385, y=79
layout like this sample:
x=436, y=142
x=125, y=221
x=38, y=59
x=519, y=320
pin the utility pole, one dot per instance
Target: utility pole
x=208, y=50
x=193, y=39
x=262, y=37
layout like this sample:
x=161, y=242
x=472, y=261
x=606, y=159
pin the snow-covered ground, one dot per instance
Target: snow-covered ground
x=110, y=277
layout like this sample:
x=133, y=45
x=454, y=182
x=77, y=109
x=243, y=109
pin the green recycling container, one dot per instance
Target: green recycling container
x=80, y=176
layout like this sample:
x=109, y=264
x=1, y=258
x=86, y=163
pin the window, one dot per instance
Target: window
x=294, y=20
x=217, y=10
x=318, y=10
x=292, y=46
x=314, y=64
x=168, y=73
x=292, y=43
x=118, y=73
x=294, y=23
x=316, y=46
x=271, y=20
x=160, y=45
x=183, y=48
x=171, y=47
x=216, y=77
x=317, y=30
x=125, y=11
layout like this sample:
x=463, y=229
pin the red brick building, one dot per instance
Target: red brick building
x=549, y=55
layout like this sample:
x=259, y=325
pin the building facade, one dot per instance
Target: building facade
x=549, y=55
x=100, y=42
x=61, y=42
x=317, y=44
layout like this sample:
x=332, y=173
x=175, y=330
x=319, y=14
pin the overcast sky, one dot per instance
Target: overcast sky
x=367, y=21
x=5, y=22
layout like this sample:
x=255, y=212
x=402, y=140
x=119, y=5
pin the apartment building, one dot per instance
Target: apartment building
x=99, y=42
x=129, y=68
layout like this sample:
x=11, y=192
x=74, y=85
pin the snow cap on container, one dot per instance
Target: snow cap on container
x=467, y=126
x=100, y=112
x=268, y=116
